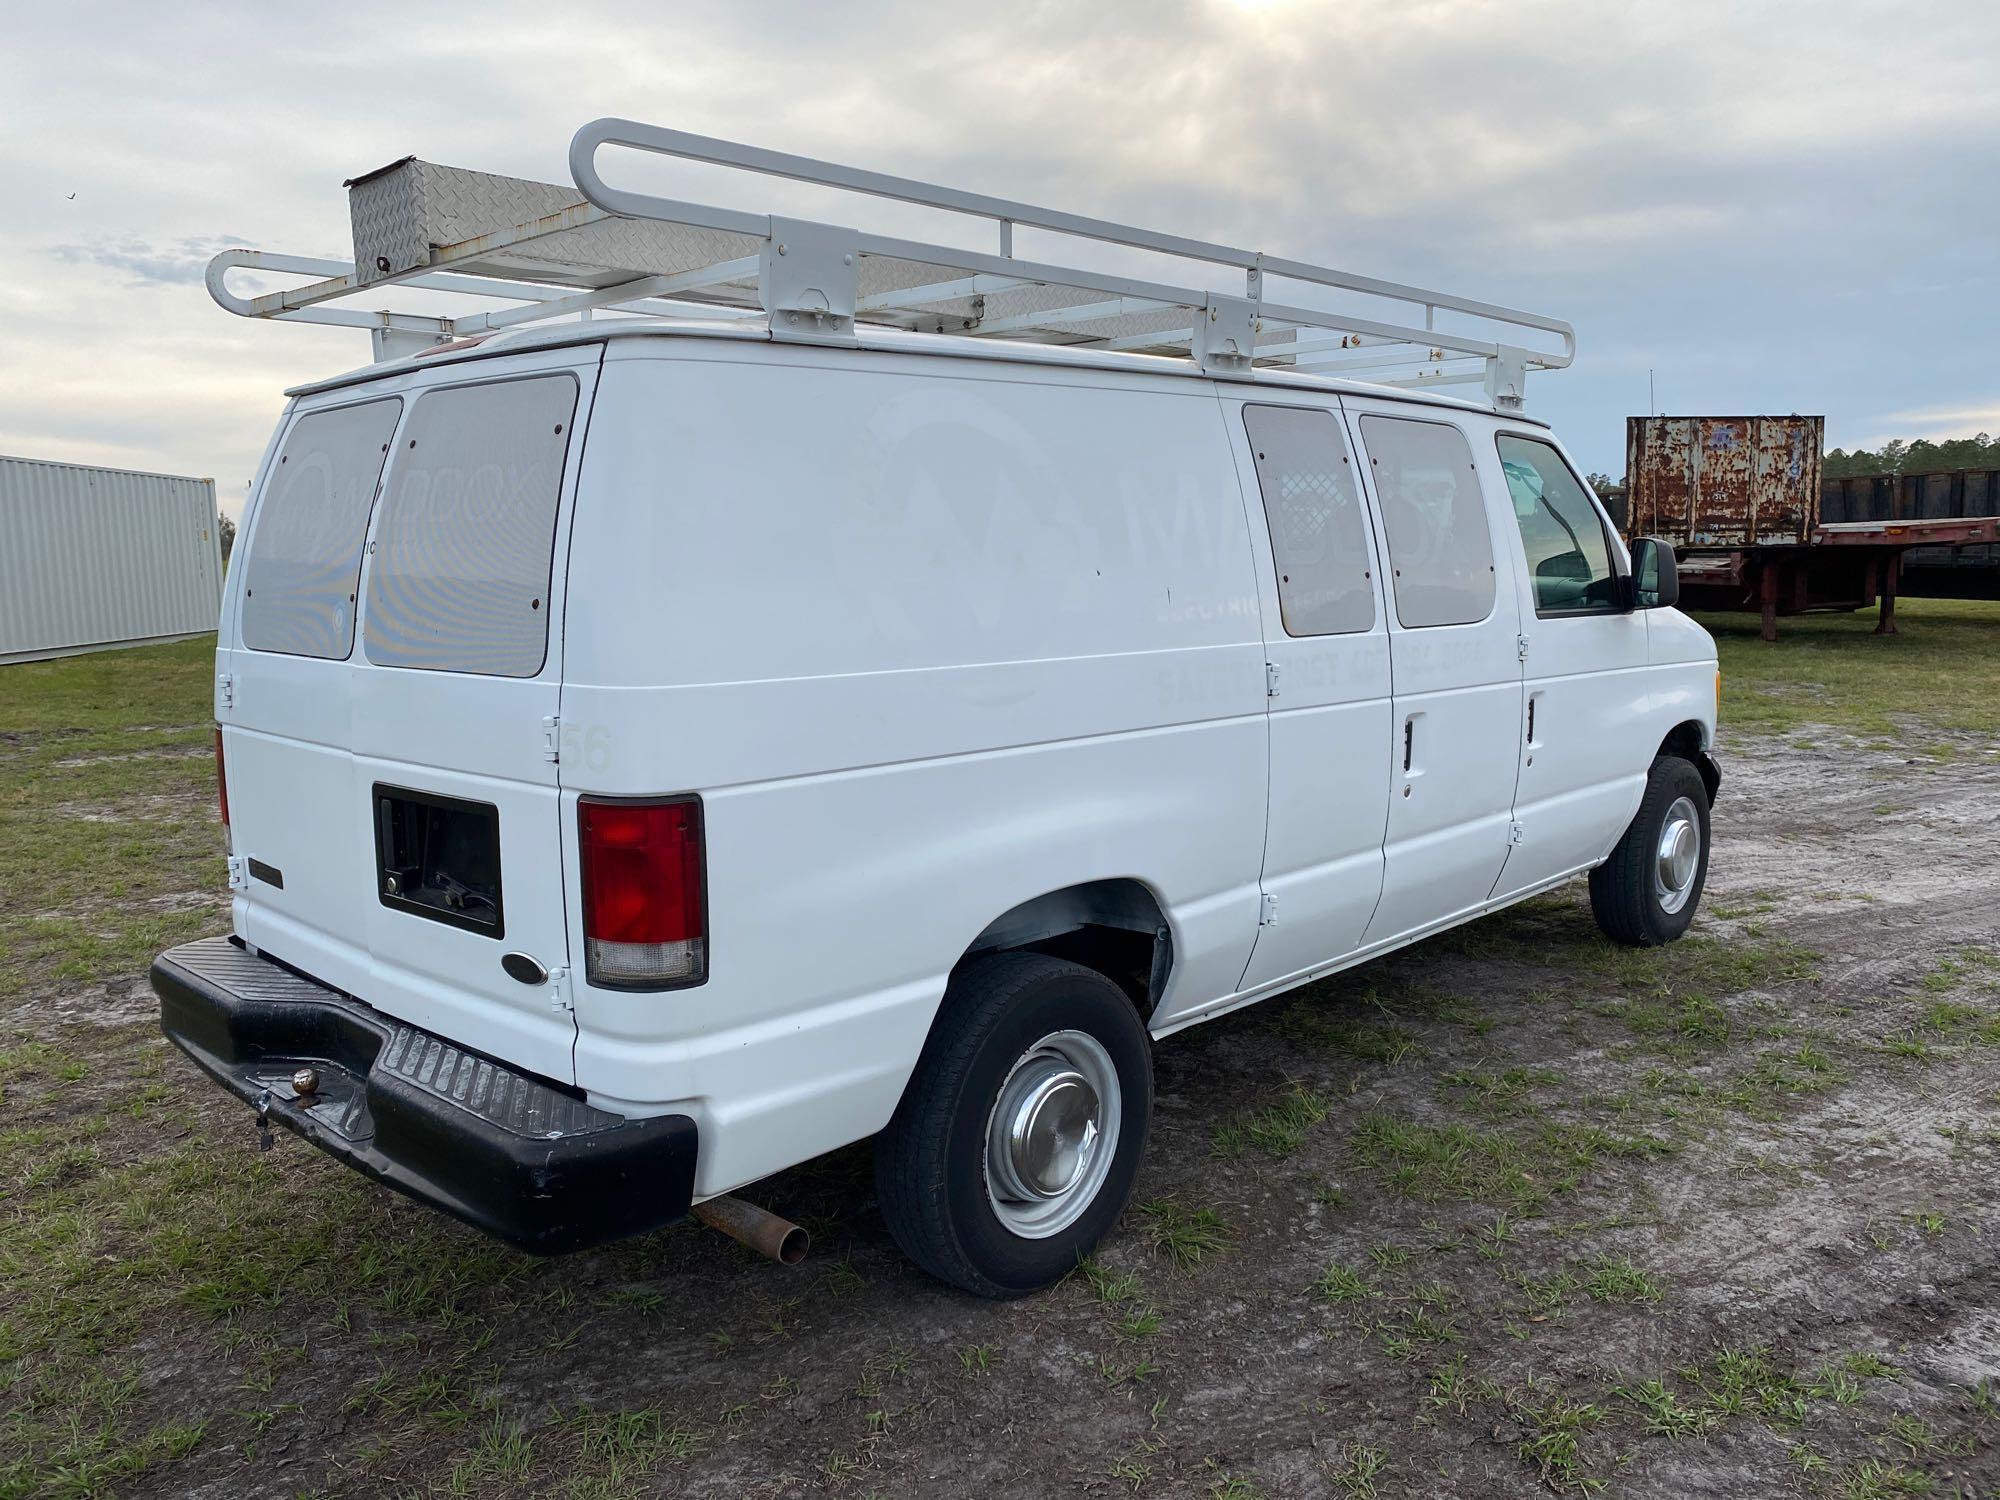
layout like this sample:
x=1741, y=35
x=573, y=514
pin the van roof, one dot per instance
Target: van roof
x=881, y=340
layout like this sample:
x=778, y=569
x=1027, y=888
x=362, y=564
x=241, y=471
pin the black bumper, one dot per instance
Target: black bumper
x=509, y=1153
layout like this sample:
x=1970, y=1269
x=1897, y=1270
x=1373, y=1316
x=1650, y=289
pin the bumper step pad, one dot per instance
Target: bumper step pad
x=509, y=1153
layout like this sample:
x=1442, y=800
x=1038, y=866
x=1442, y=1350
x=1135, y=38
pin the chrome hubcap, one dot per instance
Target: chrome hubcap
x=1052, y=1133
x=1678, y=855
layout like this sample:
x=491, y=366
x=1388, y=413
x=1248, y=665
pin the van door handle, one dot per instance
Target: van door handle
x=1409, y=740
x=1531, y=719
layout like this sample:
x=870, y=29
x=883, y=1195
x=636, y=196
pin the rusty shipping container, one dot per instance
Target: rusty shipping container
x=1723, y=481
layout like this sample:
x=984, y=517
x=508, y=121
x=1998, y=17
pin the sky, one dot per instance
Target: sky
x=1771, y=207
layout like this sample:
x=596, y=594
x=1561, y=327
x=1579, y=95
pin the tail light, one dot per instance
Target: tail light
x=645, y=915
x=221, y=779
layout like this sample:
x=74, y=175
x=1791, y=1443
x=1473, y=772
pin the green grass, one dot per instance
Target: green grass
x=107, y=812
x=1186, y=1234
x=1518, y=1169
x=1278, y=1129
x=1942, y=670
x=1342, y=1283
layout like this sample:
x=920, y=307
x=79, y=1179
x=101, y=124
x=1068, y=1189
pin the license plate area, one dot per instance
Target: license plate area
x=438, y=857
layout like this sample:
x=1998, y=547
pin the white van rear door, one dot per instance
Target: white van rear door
x=398, y=789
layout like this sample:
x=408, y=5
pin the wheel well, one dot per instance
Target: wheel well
x=1687, y=742
x=1116, y=927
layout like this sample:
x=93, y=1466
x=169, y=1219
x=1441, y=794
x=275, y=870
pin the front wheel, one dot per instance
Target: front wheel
x=1018, y=1138
x=1647, y=892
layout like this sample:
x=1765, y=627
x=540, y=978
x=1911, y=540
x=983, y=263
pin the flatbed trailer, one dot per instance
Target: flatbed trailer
x=1845, y=565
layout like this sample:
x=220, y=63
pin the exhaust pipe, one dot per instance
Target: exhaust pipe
x=757, y=1228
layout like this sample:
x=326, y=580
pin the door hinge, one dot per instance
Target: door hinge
x=1270, y=679
x=225, y=690
x=239, y=873
x=1267, y=913
x=551, y=738
x=1521, y=644
x=1516, y=834
x=559, y=995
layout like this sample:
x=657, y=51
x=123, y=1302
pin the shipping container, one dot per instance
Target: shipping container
x=1724, y=481
x=94, y=558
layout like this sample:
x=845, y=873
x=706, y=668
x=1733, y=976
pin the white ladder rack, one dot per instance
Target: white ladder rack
x=554, y=251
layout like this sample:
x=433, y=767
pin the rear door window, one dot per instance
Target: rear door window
x=459, y=578
x=305, y=554
x=1318, y=538
x=1434, y=520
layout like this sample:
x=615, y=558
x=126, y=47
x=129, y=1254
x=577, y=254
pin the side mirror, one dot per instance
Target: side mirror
x=1656, y=574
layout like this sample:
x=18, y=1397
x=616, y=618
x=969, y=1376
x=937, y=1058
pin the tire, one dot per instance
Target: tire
x=1640, y=896
x=955, y=1212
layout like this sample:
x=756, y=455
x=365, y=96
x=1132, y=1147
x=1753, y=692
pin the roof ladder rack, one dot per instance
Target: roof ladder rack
x=551, y=251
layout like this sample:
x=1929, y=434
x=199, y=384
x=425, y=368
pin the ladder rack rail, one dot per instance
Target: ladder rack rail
x=441, y=229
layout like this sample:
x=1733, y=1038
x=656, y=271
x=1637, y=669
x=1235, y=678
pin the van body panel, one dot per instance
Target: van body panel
x=1064, y=684
x=310, y=740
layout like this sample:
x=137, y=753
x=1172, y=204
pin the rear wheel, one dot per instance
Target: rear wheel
x=1647, y=892
x=1018, y=1138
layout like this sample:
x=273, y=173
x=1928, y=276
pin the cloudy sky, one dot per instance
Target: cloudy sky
x=1775, y=207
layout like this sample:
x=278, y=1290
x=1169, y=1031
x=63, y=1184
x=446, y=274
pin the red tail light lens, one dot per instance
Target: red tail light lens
x=221, y=779
x=645, y=915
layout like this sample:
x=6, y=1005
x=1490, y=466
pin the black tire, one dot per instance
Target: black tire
x=1625, y=894
x=930, y=1162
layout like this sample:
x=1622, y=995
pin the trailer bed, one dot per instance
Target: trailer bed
x=1846, y=565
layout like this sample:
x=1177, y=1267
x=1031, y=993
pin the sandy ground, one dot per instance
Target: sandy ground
x=1539, y=1216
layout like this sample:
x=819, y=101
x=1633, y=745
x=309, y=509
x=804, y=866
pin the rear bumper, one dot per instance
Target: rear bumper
x=507, y=1152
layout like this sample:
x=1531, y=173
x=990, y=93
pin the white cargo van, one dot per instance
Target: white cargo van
x=657, y=751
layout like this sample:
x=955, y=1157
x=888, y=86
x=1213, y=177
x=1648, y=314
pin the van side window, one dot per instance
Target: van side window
x=1318, y=537
x=1568, y=557
x=459, y=581
x=1440, y=550
x=305, y=550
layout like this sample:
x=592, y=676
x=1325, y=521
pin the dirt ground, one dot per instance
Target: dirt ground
x=1513, y=1212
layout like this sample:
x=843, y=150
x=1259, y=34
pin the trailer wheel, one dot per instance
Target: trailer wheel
x=1646, y=893
x=1019, y=1135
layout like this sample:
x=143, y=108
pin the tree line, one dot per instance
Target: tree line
x=1921, y=457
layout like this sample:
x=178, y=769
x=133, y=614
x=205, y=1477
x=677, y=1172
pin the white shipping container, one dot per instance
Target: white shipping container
x=93, y=558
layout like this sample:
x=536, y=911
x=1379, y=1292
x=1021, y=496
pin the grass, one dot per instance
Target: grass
x=1940, y=670
x=107, y=812
x=1186, y=1234
x=307, y=1311
x=1517, y=1168
x=1278, y=1130
x=1342, y=1283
